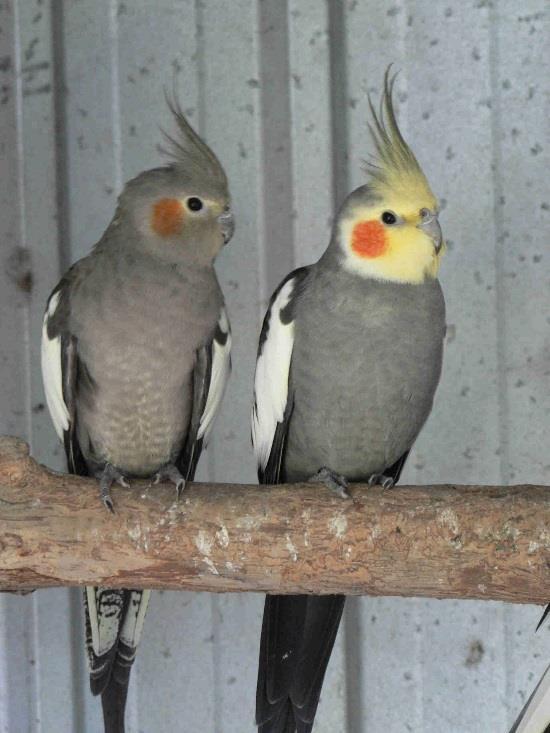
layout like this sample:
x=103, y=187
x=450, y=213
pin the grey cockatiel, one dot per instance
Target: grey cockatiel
x=348, y=363
x=135, y=357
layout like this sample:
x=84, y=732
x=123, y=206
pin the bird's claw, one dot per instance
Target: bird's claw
x=107, y=477
x=379, y=479
x=171, y=473
x=107, y=502
x=180, y=486
x=333, y=481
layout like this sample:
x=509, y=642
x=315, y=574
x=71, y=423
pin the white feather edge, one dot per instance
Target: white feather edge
x=52, y=372
x=132, y=627
x=537, y=716
x=271, y=378
x=104, y=630
x=221, y=368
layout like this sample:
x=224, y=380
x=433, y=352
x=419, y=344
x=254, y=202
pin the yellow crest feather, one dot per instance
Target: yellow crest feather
x=394, y=169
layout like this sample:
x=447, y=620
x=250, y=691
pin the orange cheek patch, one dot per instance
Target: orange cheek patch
x=368, y=239
x=167, y=217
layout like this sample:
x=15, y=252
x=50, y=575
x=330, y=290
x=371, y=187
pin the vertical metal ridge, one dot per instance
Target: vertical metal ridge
x=217, y=661
x=500, y=316
x=79, y=681
x=60, y=122
x=354, y=662
x=115, y=94
x=33, y=642
x=276, y=149
x=18, y=86
x=496, y=155
x=200, y=64
x=338, y=102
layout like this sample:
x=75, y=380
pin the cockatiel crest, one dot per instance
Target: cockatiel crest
x=189, y=154
x=388, y=229
x=394, y=170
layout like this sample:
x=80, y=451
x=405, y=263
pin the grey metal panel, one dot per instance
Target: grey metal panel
x=521, y=68
x=17, y=691
x=279, y=90
x=462, y=647
x=89, y=110
x=36, y=634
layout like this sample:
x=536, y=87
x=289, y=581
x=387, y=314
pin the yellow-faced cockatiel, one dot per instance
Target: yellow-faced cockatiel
x=135, y=357
x=348, y=364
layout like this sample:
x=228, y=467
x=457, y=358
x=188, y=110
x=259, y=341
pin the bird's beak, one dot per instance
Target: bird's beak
x=227, y=225
x=432, y=228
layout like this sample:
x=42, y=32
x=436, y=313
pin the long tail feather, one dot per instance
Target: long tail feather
x=298, y=635
x=113, y=702
x=114, y=621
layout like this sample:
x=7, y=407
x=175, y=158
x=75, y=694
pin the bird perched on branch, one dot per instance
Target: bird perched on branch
x=135, y=358
x=348, y=363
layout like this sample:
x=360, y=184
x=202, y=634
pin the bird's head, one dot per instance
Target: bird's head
x=388, y=229
x=182, y=210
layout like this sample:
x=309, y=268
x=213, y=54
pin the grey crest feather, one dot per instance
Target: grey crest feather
x=188, y=152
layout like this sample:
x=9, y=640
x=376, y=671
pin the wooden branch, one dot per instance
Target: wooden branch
x=437, y=541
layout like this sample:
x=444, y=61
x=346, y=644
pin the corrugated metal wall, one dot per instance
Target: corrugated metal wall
x=279, y=89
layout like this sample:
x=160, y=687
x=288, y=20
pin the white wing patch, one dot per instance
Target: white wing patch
x=271, y=380
x=221, y=368
x=52, y=373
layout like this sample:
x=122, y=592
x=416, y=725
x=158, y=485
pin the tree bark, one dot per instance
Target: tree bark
x=487, y=542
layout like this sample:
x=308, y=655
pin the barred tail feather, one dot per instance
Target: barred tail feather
x=114, y=621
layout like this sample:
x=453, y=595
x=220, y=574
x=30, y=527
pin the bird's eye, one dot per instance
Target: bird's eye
x=425, y=213
x=389, y=218
x=194, y=203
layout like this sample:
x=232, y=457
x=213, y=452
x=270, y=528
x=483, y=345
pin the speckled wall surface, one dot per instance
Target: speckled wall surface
x=278, y=88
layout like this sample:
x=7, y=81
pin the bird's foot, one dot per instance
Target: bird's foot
x=333, y=481
x=171, y=473
x=107, y=478
x=379, y=479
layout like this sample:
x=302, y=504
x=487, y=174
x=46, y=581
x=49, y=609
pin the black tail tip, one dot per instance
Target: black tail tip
x=113, y=702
